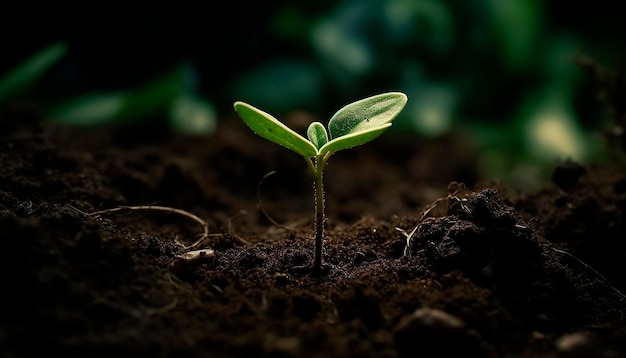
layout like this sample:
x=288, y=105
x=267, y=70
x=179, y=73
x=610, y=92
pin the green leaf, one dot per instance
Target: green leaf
x=270, y=128
x=353, y=139
x=317, y=134
x=362, y=121
x=31, y=70
x=367, y=114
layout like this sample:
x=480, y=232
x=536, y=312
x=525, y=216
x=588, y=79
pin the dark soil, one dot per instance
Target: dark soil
x=486, y=272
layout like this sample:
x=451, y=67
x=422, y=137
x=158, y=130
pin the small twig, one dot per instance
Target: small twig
x=205, y=226
x=604, y=279
x=433, y=205
x=230, y=227
x=429, y=208
x=451, y=196
x=258, y=198
x=461, y=202
x=137, y=313
x=149, y=311
x=408, y=239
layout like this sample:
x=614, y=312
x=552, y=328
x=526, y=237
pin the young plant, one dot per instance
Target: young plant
x=355, y=124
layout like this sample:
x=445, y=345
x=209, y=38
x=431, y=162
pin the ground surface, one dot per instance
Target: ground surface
x=487, y=271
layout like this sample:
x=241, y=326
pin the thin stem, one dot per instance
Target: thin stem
x=320, y=161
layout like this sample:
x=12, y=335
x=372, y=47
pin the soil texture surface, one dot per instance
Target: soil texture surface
x=123, y=241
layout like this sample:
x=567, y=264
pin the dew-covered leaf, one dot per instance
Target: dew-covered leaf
x=317, y=134
x=366, y=114
x=270, y=128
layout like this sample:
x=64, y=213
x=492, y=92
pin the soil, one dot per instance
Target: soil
x=422, y=256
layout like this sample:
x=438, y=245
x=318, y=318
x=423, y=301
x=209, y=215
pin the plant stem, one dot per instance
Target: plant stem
x=319, y=211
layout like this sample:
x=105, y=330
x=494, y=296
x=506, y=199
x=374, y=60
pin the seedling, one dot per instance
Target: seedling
x=355, y=124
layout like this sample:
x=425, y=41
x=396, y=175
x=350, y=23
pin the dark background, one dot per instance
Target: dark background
x=488, y=67
x=120, y=44
x=117, y=44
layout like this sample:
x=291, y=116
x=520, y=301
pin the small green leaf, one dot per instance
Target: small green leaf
x=270, y=128
x=317, y=134
x=353, y=139
x=366, y=114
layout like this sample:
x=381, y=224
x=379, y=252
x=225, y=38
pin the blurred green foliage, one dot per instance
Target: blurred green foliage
x=172, y=95
x=501, y=71
x=493, y=69
x=26, y=74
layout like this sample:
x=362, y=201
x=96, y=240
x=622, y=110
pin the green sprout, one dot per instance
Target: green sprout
x=355, y=124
